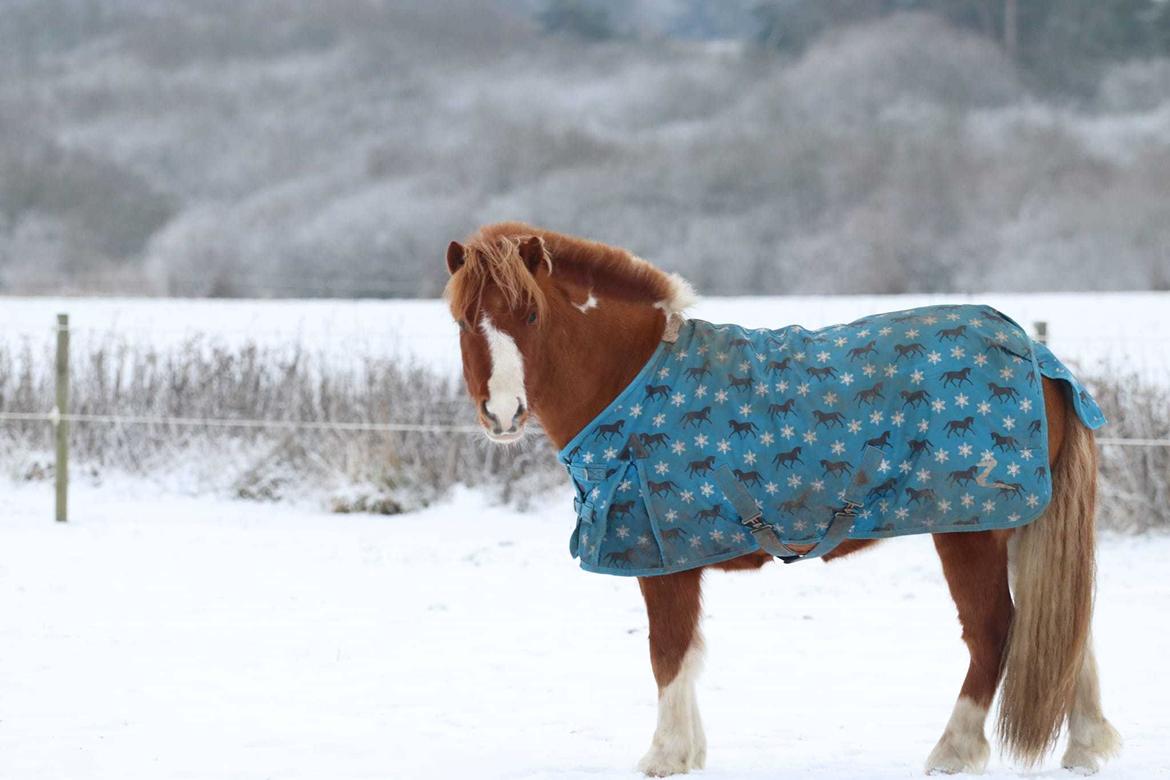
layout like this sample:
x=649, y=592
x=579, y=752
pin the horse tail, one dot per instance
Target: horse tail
x=1053, y=567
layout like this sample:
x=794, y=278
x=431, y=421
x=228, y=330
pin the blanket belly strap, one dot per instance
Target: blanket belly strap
x=751, y=517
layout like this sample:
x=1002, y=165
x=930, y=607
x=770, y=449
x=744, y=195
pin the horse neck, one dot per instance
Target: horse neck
x=595, y=356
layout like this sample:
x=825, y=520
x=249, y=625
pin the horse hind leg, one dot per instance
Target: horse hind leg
x=1091, y=737
x=676, y=651
x=975, y=566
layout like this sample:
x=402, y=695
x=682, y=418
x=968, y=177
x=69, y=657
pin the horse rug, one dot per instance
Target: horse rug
x=928, y=420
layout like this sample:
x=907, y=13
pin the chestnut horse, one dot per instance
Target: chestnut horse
x=556, y=326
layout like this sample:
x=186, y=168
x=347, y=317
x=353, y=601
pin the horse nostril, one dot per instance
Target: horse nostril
x=521, y=410
x=483, y=408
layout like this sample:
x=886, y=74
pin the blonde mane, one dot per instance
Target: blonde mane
x=492, y=255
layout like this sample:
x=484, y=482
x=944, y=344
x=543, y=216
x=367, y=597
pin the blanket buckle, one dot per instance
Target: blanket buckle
x=836, y=533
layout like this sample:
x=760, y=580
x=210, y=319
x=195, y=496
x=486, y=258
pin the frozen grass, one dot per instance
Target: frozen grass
x=383, y=472
x=1135, y=481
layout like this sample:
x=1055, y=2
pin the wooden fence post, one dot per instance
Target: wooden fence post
x=61, y=418
x=1041, y=331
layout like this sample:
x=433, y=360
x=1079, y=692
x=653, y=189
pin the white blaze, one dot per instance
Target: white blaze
x=506, y=384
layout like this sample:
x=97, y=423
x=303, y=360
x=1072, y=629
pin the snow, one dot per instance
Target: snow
x=156, y=636
x=1087, y=330
x=418, y=329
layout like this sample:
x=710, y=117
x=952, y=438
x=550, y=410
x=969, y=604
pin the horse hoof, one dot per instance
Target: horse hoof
x=962, y=747
x=1087, y=745
x=949, y=758
x=699, y=760
x=1079, y=761
x=663, y=766
x=658, y=763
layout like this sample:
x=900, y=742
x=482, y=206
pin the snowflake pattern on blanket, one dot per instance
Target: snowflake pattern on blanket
x=927, y=420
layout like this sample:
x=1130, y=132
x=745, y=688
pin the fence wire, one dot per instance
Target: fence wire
x=228, y=422
x=317, y=425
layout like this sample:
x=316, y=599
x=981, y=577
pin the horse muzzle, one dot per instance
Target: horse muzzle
x=496, y=431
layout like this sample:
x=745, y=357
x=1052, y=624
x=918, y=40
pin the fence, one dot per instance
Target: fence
x=119, y=414
x=61, y=418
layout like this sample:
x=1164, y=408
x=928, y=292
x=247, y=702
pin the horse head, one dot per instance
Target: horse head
x=544, y=318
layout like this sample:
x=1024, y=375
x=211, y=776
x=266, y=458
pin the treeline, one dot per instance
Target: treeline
x=1061, y=45
x=291, y=148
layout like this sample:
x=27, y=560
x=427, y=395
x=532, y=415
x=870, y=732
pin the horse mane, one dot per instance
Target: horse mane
x=492, y=254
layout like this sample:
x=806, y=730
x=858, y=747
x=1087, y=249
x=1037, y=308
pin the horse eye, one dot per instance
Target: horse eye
x=532, y=318
x=462, y=325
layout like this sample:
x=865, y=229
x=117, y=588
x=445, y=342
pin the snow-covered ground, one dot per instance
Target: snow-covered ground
x=1086, y=329
x=163, y=637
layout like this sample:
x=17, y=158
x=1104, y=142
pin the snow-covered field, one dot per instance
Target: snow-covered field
x=157, y=636
x=194, y=638
x=1087, y=329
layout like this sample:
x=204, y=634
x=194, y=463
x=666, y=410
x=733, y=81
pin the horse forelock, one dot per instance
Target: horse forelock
x=492, y=257
x=493, y=260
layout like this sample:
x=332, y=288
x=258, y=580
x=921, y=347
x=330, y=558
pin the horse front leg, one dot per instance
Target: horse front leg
x=676, y=650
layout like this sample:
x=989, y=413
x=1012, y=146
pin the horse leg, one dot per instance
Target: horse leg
x=676, y=649
x=1090, y=736
x=976, y=569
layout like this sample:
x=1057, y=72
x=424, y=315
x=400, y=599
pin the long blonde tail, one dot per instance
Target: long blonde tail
x=1053, y=568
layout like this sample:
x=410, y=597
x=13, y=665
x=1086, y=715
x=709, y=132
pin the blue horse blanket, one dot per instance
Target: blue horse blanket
x=928, y=420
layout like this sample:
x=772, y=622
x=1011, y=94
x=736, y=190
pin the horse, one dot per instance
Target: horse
x=530, y=347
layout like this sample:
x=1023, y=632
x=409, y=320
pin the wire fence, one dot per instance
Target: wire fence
x=313, y=425
x=1114, y=442
x=339, y=426
x=228, y=422
x=434, y=413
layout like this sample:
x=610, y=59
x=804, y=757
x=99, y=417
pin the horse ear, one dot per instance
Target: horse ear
x=455, y=256
x=533, y=254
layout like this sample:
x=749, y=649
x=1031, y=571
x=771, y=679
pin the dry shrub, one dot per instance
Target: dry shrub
x=380, y=472
x=385, y=472
x=1135, y=481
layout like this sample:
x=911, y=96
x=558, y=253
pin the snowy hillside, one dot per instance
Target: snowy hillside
x=279, y=148
x=176, y=638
